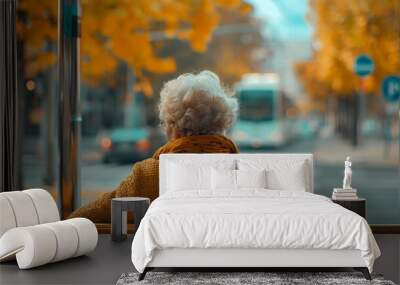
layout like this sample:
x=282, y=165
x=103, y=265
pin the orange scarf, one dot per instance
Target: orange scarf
x=198, y=144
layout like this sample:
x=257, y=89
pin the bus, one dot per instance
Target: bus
x=262, y=120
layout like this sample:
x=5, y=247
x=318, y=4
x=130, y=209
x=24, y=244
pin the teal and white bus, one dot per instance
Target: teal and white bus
x=262, y=121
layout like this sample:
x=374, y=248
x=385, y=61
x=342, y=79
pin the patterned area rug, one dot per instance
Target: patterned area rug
x=273, y=278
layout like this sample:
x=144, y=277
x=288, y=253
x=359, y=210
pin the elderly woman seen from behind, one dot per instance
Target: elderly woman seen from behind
x=196, y=112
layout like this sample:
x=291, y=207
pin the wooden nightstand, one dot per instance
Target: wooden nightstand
x=357, y=206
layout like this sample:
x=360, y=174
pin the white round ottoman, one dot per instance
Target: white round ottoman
x=31, y=232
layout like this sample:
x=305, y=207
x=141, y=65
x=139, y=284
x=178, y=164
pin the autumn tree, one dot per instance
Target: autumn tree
x=345, y=29
x=237, y=34
x=115, y=31
x=236, y=47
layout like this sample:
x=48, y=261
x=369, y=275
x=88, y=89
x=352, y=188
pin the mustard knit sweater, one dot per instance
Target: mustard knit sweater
x=143, y=180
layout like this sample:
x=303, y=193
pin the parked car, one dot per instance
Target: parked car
x=127, y=145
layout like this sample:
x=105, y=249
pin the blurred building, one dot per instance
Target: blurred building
x=289, y=38
x=285, y=54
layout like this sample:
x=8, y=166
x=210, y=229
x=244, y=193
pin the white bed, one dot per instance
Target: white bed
x=250, y=227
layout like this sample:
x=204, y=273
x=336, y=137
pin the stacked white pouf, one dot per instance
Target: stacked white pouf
x=31, y=230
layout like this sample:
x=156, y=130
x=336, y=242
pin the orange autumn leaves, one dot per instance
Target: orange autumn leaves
x=37, y=28
x=343, y=30
x=118, y=32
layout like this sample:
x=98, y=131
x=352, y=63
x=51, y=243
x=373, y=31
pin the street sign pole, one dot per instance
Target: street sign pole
x=363, y=66
x=358, y=111
x=391, y=93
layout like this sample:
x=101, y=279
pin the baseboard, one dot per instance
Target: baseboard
x=104, y=228
x=385, y=229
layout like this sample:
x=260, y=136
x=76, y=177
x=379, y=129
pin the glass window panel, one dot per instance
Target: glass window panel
x=302, y=92
x=37, y=87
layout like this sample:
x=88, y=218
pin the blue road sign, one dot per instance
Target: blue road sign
x=363, y=65
x=391, y=88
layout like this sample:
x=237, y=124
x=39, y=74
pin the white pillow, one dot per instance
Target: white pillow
x=227, y=179
x=183, y=178
x=288, y=174
x=251, y=179
x=185, y=174
x=223, y=179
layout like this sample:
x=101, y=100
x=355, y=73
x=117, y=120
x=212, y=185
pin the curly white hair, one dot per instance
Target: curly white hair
x=197, y=104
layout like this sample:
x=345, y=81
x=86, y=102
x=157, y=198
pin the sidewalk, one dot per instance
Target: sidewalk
x=369, y=152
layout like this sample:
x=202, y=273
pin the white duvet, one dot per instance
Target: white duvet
x=250, y=219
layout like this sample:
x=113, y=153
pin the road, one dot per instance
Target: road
x=379, y=185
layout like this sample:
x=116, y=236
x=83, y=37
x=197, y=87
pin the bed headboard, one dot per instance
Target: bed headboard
x=210, y=158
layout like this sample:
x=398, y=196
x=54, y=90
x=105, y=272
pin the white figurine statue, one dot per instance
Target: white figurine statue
x=347, y=174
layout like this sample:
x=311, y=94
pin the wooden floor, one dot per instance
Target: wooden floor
x=110, y=260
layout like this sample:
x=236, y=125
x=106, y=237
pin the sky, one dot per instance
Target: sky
x=284, y=19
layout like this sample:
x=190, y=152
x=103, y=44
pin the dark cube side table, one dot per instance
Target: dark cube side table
x=119, y=208
x=357, y=206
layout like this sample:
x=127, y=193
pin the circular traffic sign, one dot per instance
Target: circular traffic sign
x=391, y=88
x=363, y=65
